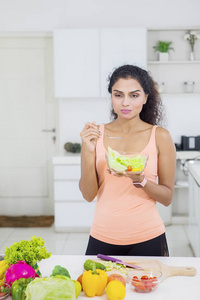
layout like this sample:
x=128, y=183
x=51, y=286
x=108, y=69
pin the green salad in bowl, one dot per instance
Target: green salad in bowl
x=124, y=161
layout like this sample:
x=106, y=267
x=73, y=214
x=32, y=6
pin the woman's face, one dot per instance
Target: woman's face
x=128, y=98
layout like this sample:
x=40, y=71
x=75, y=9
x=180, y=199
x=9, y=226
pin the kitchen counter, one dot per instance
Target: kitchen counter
x=67, y=159
x=194, y=168
x=75, y=158
x=174, y=288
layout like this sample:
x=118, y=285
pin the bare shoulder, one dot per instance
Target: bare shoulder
x=164, y=139
x=162, y=134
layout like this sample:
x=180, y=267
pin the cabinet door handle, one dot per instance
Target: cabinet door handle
x=49, y=130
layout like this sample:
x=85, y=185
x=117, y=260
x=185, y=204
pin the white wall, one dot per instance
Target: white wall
x=182, y=115
x=46, y=15
x=75, y=113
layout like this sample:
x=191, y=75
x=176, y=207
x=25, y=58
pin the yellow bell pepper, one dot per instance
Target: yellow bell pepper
x=94, y=282
x=1, y=282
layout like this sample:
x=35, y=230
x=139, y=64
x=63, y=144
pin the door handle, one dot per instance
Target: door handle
x=49, y=130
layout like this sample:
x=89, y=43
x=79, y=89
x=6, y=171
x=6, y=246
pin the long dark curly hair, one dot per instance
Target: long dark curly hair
x=152, y=111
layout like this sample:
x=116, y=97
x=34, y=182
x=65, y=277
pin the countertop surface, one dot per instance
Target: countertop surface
x=173, y=288
x=67, y=159
x=194, y=168
x=75, y=158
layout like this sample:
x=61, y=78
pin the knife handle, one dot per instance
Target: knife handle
x=105, y=257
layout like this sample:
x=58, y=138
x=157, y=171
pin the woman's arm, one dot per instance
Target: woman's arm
x=163, y=191
x=88, y=183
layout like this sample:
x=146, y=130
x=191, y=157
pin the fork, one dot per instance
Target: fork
x=111, y=137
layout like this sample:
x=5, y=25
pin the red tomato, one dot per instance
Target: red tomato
x=141, y=286
x=135, y=278
x=129, y=168
x=154, y=281
x=144, y=277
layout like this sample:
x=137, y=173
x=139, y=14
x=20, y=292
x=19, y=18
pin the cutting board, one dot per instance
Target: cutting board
x=166, y=270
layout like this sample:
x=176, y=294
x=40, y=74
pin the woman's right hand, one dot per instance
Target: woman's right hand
x=89, y=135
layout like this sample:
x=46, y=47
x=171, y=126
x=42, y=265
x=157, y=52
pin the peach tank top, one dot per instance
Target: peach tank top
x=125, y=214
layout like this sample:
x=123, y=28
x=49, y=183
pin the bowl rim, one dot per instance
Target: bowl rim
x=144, y=154
x=158, y=273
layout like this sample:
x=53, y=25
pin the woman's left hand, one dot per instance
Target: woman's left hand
x=132, y=175
x=135, y=177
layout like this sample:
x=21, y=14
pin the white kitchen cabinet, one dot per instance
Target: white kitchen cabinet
x=76, y=62
x=119, y=46
x=84, y=58
x=72, y=212
x=194, y=214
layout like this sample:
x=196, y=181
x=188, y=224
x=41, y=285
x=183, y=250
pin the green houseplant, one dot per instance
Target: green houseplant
x=163, y=48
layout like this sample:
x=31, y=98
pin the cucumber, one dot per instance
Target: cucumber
x=88, y=264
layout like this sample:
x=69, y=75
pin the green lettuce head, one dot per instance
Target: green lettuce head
x=51, y=288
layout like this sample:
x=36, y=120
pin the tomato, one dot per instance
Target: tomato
x=135, y=278
x=129, y=168
x=154, y=281
x=144, y=277
x=141, y=286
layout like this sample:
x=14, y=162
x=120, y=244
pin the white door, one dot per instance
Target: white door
x=26, y=108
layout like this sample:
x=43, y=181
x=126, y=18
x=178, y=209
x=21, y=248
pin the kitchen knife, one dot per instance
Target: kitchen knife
x=119, y=261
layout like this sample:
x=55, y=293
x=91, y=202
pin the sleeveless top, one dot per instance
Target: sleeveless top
x=125, y=214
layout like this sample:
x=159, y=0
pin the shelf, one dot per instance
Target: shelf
x=196, y=28
x=179, y=219
x=181, y=94
x=172, y=62
x=181, y=187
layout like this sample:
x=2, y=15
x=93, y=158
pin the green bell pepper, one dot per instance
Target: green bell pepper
x=18, y=288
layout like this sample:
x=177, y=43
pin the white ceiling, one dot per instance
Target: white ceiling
x=47, y=15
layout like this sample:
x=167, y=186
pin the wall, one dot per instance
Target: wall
x=182, y=116
x=84, y=110
x=46, y=15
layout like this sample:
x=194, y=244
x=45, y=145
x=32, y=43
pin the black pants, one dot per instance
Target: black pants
x=154, y=247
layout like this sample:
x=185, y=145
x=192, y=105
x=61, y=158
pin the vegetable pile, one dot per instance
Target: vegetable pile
x=121, y=163
x=18, y=276
x=19, y=266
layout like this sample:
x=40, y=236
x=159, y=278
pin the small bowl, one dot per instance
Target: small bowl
x=144, y=281
x=5, y=295
x=126, y=161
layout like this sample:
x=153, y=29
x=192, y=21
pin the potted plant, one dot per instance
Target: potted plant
x=163, y=48
x=191, y=37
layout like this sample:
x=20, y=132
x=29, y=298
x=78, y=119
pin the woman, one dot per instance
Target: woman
x=126, y=220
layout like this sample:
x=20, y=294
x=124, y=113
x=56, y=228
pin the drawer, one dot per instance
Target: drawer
x=67, y=190
x=74, y=215
x=71, y=172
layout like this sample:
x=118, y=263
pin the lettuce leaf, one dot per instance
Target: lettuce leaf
x=30, y=251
